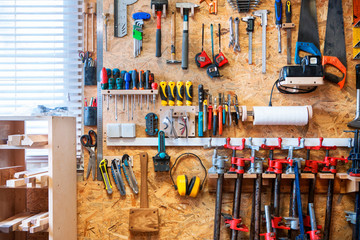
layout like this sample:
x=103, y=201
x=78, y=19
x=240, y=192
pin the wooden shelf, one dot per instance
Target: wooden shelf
x=271, y=176
x=348, y=184
x=5, y=146
x=129, y=92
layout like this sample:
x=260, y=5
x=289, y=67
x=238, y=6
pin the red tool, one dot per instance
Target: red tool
x=235, y=224
x=210, y=108
x=202, y=59
x=220, y=59
x=314, y=234
x=220, y=119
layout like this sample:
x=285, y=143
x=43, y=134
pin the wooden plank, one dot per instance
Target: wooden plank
x=31, y=172
x=326, y=175
x=12, y=223
x=8, y=172
x=62, y=178
x=15, y=140
x=35, y=140
x=15, y=182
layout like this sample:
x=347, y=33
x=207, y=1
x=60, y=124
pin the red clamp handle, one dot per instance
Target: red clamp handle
x=268, y=147
x=334, y=61
x=275, y=223
x=312, y=166
x=314, y=235
x=240, y=162
x=236, y=224
x=269, y=236
x=229, y=146
x=320, y=146
x=275, y=165
x=332, y=161
x=308, y=224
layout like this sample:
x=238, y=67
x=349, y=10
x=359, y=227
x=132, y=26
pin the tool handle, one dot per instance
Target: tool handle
x=180, y=93
x=134, y=79
x=141, y=80
x=220, y=120
x=334, y=61
x=278, y=12
x=188, y=93
x=214, y=121
x=288, y=11
x=116, y=73
x=200, y=124
x=163, y=93
x=171, y=93
x=127, y=79
x=224, y=116
x=105, y=176
x=147, y=80
x=111, y=84
x=201, y=96
x=250, y=25
x=210, y=117
x=212, y=40
x=173, y=32
x=357, y=69
x=144, y=188
x=205, y=116
x=158, y=34
x=185, y=42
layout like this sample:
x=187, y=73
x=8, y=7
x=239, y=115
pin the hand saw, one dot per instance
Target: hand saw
x=334, y=47
x=308, y=35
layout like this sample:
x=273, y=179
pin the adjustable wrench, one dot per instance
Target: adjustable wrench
x=237, y=45
x=231, y=35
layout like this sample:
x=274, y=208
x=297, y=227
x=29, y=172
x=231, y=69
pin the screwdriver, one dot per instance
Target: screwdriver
x=108, y=73
x=127, y=79
x=141, y=85
x=278, y=22
x=220, y=108
x=171, y=93
x=163, y=93
x=188, y=93
x=154, y=86
x=104, y=82
x=224, y=109
x=205, y=111
x=151, y=81
x=214, y=118
x=229, y=108
x=210, y=108
x=134, y=78
x=122, y=75
x=179, y=93
x=236, y=106
x=201, y=114
x=147, y=86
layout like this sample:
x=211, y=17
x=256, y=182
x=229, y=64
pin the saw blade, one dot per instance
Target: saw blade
x=334, y=37
x=308, y=27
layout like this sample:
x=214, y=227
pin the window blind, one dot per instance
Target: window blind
x=39, y=63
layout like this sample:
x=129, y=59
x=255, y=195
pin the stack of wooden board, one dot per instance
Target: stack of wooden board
x=31, y=178
x=31, y=140
x=26, y=222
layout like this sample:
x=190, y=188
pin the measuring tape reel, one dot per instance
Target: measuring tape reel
x=182, y=186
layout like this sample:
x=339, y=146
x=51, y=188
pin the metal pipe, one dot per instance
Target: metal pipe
x=237, y=203
x=218, y=204
x=252, y=224
x=328, y=210
x=268, y=218
x=257, y=219
x=292, y=207
x=277, y=197
x=312, y=217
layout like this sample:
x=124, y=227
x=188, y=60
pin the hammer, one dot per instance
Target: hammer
x=158, y=7
x=184, y=10
x=173, y=39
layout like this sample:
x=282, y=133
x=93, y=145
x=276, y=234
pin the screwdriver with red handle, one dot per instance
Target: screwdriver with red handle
x=210, y=113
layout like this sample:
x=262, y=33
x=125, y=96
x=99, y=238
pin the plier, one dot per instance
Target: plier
x=89, y=142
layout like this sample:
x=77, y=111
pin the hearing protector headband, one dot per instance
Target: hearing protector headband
x=193, y=181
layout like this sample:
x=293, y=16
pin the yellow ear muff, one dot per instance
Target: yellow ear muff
x=181, y=183
x=194, y=187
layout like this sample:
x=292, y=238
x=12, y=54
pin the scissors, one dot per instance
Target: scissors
x=89, y=142
x=84, y=56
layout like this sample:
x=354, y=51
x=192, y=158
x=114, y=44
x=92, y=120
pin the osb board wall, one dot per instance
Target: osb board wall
x=106, y=217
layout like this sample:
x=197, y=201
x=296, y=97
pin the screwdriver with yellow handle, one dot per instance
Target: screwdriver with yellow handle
x=188, y=93
x=163, y=93
x=171, y=93
x=179, y=93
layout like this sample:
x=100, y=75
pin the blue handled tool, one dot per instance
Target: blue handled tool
x=161, y=159
x=201, y=113
x=278, y=21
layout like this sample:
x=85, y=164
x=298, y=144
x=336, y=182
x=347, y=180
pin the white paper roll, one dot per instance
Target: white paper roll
x=291, y=115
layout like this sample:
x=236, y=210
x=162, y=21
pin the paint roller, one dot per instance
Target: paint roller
x=279, y=115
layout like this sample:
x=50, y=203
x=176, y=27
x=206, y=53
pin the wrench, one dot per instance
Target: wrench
x=231, y=40
x=237, y=45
